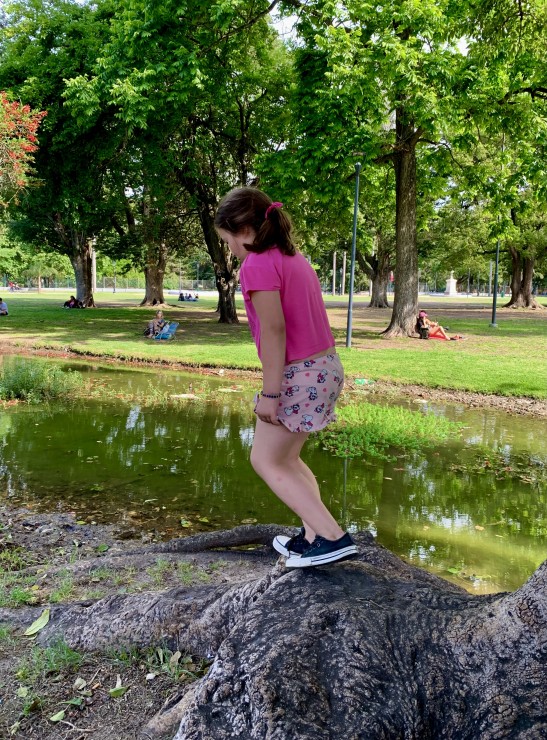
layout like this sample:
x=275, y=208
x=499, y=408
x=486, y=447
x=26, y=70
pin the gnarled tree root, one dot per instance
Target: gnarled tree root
x=372, y=648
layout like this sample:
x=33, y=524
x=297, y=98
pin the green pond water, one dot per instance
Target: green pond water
x=472, y=510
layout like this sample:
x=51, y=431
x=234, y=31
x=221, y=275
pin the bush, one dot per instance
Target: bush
x=369, y=429
x=36, y=381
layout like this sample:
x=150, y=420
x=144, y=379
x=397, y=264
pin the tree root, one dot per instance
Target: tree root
x=373, y=648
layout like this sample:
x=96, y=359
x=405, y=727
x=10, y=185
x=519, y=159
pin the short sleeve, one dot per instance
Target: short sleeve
x=262, y=272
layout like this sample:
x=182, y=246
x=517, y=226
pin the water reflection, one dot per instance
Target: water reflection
x=150, y=468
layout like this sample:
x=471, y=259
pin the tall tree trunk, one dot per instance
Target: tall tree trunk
x=154, y=272
x=374, y=265
x=516, y=274
x=527, y=279
x=378, y=272
x=405, y=303
x=81, y=259
x=522, y=274
x=226, y=272
x=378, y=296
x=225, y=265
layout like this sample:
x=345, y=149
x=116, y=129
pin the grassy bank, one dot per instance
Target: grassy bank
x=509, y=360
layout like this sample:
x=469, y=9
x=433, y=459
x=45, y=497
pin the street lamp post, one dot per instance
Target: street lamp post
x=353, y=247
x=495, y=294
x=496, y=268
x=114, y=277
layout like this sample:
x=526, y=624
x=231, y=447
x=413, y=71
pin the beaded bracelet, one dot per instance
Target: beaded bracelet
x=270, y=395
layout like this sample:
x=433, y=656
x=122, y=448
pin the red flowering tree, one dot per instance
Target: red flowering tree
x=18, y=127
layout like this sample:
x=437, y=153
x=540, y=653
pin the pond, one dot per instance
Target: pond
x=472, y=510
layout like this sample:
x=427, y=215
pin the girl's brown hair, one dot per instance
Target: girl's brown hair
x=246, y=207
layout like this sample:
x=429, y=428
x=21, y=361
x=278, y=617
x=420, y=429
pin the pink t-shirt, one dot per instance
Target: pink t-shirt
x=306, y=324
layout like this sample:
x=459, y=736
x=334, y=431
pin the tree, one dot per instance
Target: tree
x=18, y=127
x=458, y=238
x=378, y=261
x=150, y=217
x=367, y=86
x=383, y=648
x=12, y=255
x=47, y=266
x=40, y=47
x=395, y=83
x=213, y=72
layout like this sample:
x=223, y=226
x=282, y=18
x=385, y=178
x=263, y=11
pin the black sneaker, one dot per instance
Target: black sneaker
x=291, y=546
x=323, y=551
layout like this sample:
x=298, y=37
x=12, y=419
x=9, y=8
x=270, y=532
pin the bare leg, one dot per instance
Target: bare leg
x=310, y=477
x=438, y=331
x=276, y=458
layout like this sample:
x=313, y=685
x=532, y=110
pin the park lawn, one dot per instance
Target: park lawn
x=510, y=360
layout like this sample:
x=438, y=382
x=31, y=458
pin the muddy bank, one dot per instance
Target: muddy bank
x=511, y=405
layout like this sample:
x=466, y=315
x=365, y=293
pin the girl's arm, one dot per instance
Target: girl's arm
x=267, y=304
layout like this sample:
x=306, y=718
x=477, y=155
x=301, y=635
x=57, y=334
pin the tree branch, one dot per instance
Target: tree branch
x=250, y=22
x=534, y=92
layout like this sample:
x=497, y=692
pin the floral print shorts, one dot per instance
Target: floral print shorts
x=309, y=392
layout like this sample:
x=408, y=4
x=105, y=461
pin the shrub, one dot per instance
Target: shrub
x=366, y=428
x=37, y=381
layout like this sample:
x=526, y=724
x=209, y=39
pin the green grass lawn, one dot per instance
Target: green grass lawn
x=508, y=360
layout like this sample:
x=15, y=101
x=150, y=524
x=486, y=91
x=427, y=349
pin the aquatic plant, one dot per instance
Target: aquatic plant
x=36, y=381
x=371, y=430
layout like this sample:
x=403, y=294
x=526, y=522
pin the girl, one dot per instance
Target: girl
x=428, y=329
x=302, y=374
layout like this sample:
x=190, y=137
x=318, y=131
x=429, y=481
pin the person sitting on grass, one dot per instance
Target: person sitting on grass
x=3, y=308
x=156, y=325
x=73, y=302
x=428, y=329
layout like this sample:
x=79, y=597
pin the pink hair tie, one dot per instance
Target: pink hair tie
x=269, y=209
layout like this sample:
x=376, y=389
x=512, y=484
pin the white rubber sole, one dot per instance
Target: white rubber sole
x=331, y=557
x=279, y=543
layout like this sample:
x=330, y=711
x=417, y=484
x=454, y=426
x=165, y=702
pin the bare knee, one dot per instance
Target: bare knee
x=267, y=466
x=260, y=463
x=255, y=461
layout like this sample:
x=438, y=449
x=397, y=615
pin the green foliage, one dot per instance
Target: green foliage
x=497, y=463
x=41, y=45
x=162, y=660
x=17, y=558
x=377, y=83
x=33, y=381
x=16, y=592
x=159, y=571
x=41, y=662
x=198, y=90
x=63, y=589
x=373, y=430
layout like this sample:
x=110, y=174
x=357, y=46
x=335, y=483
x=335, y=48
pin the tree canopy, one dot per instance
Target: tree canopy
x=154, y=110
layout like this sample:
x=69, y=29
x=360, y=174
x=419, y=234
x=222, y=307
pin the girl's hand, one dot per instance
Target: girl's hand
x=266, y=410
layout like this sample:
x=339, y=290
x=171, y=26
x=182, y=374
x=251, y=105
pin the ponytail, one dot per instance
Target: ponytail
x=251, y=208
